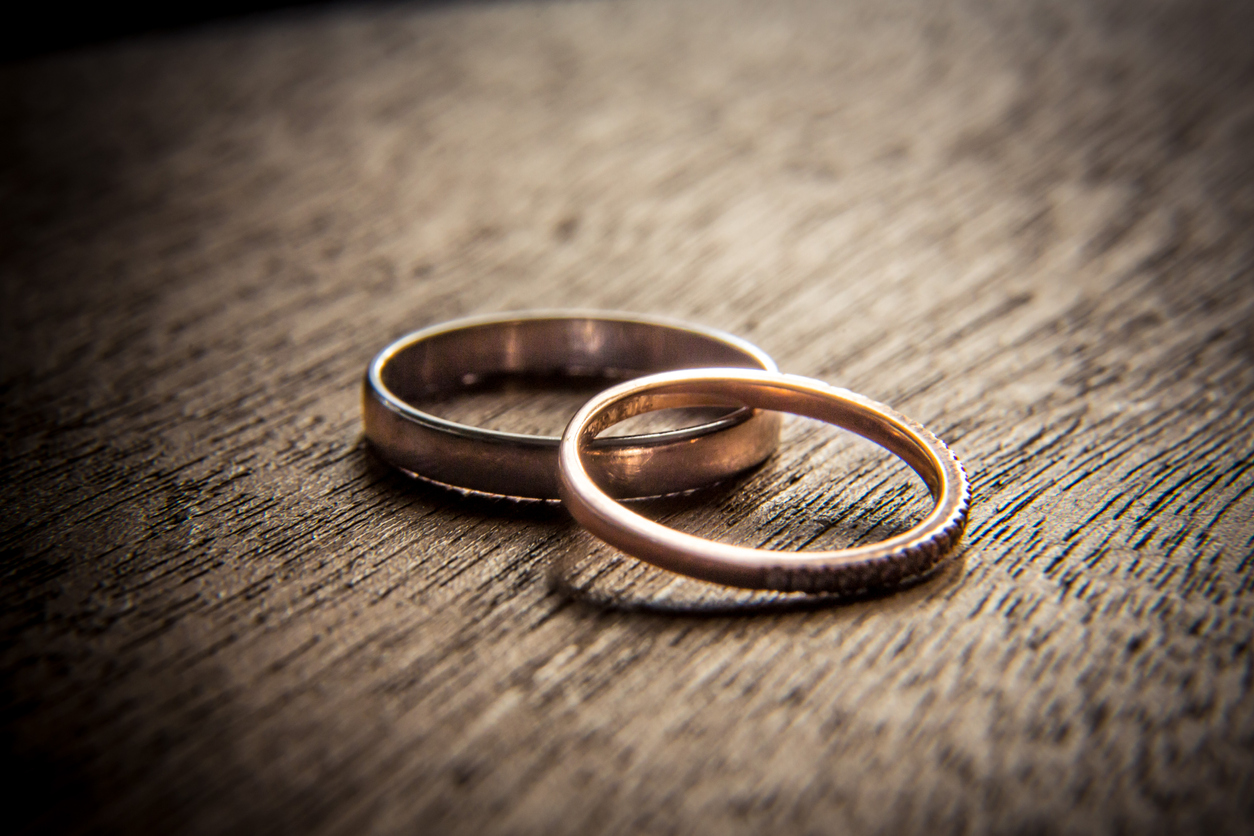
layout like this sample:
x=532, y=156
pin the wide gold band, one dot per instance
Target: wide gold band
x=441, y=359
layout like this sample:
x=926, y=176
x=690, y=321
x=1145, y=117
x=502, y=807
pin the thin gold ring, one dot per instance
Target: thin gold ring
x=906, y=556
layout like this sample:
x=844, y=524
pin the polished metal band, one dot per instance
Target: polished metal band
x=446, y=358
x=886, y=563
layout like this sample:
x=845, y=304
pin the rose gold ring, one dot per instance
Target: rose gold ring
x=589, y=345
x=904, y=557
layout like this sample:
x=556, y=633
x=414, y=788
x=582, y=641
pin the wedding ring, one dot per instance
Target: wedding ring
x=453, y=356
x=890, y=562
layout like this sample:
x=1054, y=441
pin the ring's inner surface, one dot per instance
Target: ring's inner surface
x=531, y=376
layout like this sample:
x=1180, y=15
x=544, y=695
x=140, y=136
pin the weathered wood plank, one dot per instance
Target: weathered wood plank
x=1027, y=225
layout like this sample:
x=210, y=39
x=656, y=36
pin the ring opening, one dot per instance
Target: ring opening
x=826, y=488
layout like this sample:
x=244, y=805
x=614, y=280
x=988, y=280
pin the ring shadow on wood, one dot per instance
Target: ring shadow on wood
x=598, y=576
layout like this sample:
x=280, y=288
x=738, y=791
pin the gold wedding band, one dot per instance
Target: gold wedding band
x=450, y=357
x=901, y=558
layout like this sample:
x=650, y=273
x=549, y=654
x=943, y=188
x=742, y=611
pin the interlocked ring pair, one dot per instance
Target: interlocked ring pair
x=682, y=366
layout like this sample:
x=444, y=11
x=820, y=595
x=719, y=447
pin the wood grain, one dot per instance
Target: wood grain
x=1027, y=225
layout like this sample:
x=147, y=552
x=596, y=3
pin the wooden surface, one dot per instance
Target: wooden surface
x=1028, y=225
